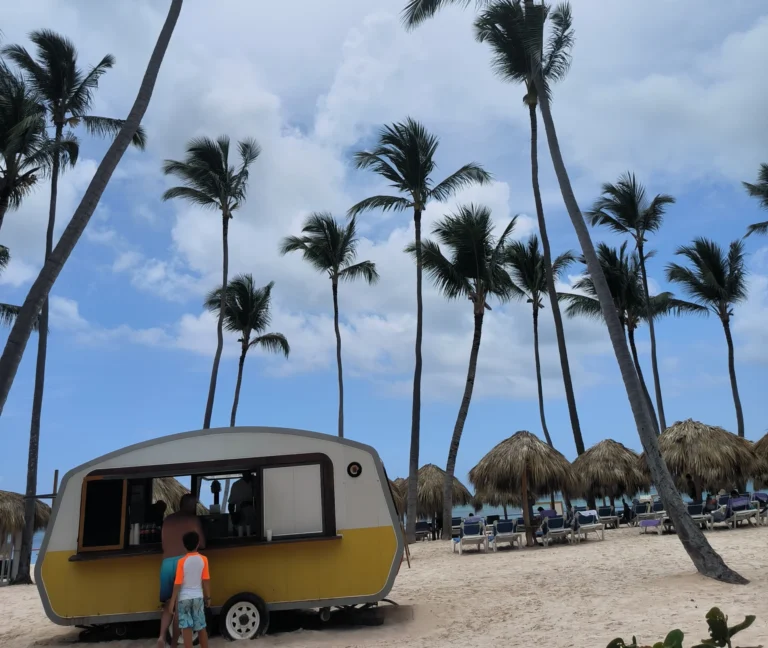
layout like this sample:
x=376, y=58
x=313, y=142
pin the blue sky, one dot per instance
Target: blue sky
x=681, y=103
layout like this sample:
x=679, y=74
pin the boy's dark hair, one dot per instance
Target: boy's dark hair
x=191, y=540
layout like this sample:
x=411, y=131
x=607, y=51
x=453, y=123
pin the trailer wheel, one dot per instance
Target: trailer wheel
x=244, y=616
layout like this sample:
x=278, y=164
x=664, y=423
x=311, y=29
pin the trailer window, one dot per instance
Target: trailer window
x=102, y=514
x=293, y=502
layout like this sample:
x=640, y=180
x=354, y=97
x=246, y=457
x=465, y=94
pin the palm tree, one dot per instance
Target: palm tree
x=759, y=190
x=706, y=559
x=247, y=311
x=625, y=209
x=8, y=312
x=716, y=281
x=474, y=268
x=622, y=273
x=209, y=181
x=34, y=311
x=504, y=25
x=405, y=156
x=529, y=270
x=26, y=151
x=331, y=247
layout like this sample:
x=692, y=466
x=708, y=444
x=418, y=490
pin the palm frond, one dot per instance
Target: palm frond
x=417, y=11
x=272, y=342
x=81, y=96
x=364, y=270
x=441, y=271
x=758, y=228
x=469, y=174
x=557, y=58
x=5, y=257
x=581, y=306
x=385, y=203
x=108, y=127
x=195, y=196
x=562, y=262
x=759, y=189
x=8, y=313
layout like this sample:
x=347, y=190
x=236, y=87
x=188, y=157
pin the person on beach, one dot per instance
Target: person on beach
x=175, y=526
x=240, y=504
x=192, y=592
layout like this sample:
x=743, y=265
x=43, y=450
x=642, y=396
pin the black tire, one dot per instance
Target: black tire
x=251, y=622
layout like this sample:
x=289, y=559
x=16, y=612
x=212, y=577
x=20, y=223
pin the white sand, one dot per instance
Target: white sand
x=574, y=596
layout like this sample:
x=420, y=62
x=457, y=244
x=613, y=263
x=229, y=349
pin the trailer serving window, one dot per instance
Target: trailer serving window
x=289, y=498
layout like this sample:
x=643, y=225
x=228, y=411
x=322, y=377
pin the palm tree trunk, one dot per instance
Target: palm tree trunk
x=240, y=366
x=335, y=288
x=23, y=576
x=38, y=293
x=413, y=463
x=732, y=373
x=220, y=323
x=652, y=330
x=551, y=290
x=639, y=369
x=453, y=450
x=538, y=374
x=707, y=561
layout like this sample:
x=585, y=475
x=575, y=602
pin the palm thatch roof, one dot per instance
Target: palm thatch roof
x=170, y=490
x=712, y=456
x=502, y=469
x=398, y=496
x=609, y=469
x=430, y=493
x=496, y=499
x=12, y=513
x=761, y=474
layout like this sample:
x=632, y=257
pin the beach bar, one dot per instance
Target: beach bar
x=324, y=533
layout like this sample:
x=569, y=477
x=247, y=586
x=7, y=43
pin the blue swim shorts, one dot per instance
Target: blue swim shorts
x=192, y=614
x=167, y=576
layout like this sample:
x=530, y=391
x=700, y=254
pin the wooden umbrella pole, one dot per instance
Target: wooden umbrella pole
x=526, y=511
x=407, y=551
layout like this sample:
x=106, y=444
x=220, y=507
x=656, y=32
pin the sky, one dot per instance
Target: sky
x=677, y=97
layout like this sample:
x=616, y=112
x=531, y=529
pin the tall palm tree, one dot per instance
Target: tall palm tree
x=529, y=271
x=35, y=308
x=331, y=247
x=624, y=208
x=474, y=268
x=209, y=181
x=622, y=273
x=247, y=312
x=715, y=280
x=26, y=151
x=759, y=190
x=705, y=558
x=405, y=156
x=504, y=25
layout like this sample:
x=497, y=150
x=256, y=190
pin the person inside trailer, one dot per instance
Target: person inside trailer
x=241, y=505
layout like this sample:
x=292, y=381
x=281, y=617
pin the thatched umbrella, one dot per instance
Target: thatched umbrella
x=522, y=464
x=430, y=491
x=609, y=469
x=761, y=474
x=12, y=514
x=170, y=490
x=398, y=496
x=708, y=456
x=495, y=499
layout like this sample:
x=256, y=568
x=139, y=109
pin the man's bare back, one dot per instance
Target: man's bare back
x=177, y=524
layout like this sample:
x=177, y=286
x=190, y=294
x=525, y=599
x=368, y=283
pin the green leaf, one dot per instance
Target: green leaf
x=748, y=621
x=674, y=639
x=619, y=643
x=718, y=626
x=658, y=644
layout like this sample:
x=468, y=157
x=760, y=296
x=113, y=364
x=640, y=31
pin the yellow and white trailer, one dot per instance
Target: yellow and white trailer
x=326, y=532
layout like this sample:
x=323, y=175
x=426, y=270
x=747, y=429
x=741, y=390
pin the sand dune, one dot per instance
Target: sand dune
x=575, y=596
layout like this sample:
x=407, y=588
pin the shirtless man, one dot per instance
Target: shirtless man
x=174, y=528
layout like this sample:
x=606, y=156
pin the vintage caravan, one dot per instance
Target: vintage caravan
x=324, y=533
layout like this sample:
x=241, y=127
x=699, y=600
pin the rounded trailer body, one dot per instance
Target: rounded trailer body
x=347, y=554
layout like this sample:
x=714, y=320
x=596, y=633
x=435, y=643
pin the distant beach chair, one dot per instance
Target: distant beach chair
x=741, y=510
x=696, y=511
x=657, y=507
x=652, y=524
x=579, y=509
x=585, y=524
x=472, y=534
x=607, y=515
x=505, y=531
x=490, y=519
x=642, y=512
x=554, y=528
x=423, y=530
x=455, y=527
x=760, y=500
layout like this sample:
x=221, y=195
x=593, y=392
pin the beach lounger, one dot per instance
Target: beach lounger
x=553, y=528
x=652, y=524
x=760, y=500
x=696, y=511
x=455, y=527
x=607, y=515
x=643, y=512
x=741, y=510
x=472, y=534
x=505, y=531
x=585, y=524
x=423, y=531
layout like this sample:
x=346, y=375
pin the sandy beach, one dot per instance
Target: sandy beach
x=581, y=596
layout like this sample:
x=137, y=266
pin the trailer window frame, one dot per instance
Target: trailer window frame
x=196, y=470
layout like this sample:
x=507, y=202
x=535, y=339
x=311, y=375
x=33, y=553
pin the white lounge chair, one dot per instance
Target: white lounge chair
x=472, y=535
x=555, y=528
x=607, y=516
x=504, y=531
x=585, y=524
